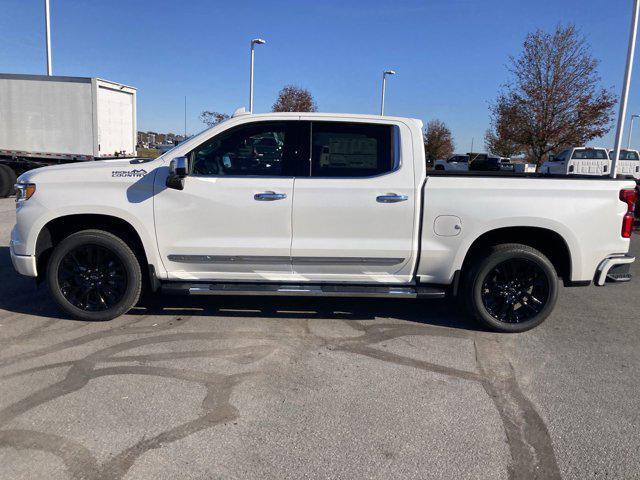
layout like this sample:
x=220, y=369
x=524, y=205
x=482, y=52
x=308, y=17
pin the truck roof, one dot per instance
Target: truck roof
x=59, y=78
x=588, y=148
x=326, y=115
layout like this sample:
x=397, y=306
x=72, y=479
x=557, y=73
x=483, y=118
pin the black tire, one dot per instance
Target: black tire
x=13, y=178
x=6, y=181
x=94, y=286
x=511, y=288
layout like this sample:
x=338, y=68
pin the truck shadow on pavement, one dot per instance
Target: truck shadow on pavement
x=288, y=333
x=444, y=313
x=21, y=295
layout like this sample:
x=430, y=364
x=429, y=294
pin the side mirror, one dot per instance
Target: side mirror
x=552, y=158
x=179, y=167
x=178, y=171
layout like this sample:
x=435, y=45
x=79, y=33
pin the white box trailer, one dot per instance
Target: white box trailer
x=66, y=118
x=52, y=119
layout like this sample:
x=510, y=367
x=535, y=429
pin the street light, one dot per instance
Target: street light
x=633, y=117
x=255, y=41
x=625, y=88
x=384, y=86
x=47, y=29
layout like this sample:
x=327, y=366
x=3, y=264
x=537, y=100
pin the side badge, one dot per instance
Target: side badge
x=129, y=173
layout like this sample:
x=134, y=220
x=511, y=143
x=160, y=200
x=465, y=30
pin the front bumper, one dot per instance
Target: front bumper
x=614, y=269
x=24, y=264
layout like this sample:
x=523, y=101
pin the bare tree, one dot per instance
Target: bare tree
x=294, y=99
x=554, y=98
x=438, y=142
x=212, y=118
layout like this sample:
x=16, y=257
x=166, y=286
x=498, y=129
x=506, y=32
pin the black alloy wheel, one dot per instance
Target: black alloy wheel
x=94, y=275
x=515, y=291
x=92, y=278
x=510, y=287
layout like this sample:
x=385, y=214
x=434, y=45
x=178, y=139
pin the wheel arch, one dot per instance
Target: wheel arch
x=547, y=241
x=56, y=229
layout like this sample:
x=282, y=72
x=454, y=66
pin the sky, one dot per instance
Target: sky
x=451, y=56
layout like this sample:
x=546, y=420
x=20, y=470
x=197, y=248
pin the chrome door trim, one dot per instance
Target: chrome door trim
x=347, y=260
x=263, y=260
x=259, y=260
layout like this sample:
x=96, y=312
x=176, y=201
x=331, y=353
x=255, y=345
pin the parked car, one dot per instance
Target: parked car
x=579, y=161
x=474, y=161
x=348, y=210
x=490, y=163
x=454, y=163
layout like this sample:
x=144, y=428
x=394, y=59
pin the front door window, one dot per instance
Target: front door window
x=258, y=149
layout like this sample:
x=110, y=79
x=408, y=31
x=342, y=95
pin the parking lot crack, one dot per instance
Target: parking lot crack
x=527, y=435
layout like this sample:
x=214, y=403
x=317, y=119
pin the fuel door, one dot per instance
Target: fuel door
x=447, y=226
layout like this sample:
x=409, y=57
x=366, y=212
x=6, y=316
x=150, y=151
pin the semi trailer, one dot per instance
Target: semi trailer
x=48, y=120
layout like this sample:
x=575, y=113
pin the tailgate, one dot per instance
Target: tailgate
x=629, y=168
x=597, y=167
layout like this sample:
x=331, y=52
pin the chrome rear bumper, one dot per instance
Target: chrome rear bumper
x=614, y=269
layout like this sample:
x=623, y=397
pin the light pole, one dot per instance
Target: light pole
x=47, y=28
x=625, y=88
x=384, y=87
x=255, y=41
x=633, y=117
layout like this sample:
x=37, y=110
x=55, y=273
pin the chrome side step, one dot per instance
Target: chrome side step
x=302, y=290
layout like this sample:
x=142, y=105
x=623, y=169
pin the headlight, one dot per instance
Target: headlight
x=24, y=191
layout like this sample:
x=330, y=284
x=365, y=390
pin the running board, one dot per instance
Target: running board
x=301, y=290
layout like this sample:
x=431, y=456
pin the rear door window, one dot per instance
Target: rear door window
x=590, y=154
x=625, y=155
x=342, y=149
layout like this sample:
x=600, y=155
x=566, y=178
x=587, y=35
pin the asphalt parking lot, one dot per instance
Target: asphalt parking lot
x=237, y=388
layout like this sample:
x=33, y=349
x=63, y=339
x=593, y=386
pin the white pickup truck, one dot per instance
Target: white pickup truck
x=316, y=204
x=628, y=163
x=579, y=161
x=592, y=161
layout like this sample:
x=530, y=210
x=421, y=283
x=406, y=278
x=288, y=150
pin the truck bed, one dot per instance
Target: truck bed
x=482, y=202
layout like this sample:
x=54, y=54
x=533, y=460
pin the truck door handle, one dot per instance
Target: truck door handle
x=269, y=196
x=391, y=198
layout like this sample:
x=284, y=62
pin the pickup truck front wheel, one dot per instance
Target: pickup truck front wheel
x=94, y=275
x=512, y=288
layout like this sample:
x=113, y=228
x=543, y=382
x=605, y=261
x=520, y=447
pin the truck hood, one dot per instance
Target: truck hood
x=91, y=170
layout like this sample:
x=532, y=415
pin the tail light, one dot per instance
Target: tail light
x=630, y=197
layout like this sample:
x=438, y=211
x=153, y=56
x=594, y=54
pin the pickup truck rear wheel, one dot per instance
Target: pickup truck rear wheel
x=94, y=275
x=512, y=288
